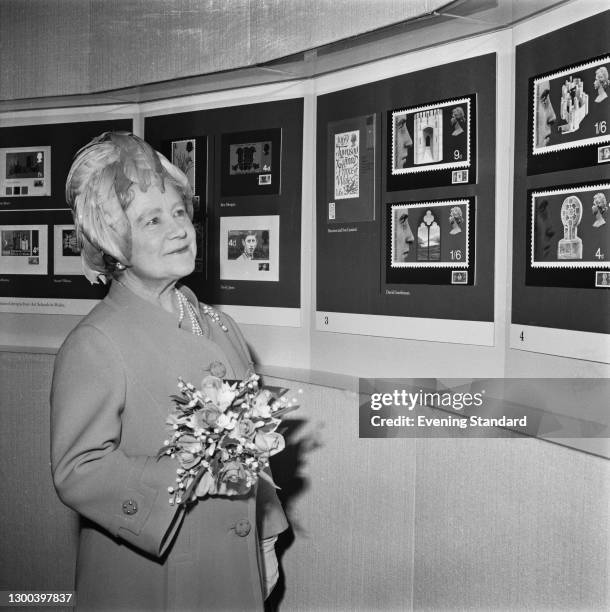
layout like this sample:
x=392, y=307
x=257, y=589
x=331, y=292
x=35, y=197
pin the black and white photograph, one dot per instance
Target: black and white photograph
x=250, y=163
x=25, y=171
x=23, y=249
x=248, y=245
x=292, y=316
x=249, y=248
x=66, y=252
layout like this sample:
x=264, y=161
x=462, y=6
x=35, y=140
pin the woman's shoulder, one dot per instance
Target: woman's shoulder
x=88, y=347
x=95, y=329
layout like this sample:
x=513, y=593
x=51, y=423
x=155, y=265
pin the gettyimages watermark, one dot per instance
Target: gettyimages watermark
x=490, y=408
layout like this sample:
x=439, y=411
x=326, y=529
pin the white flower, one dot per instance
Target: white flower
x=225, y=422
x=261, y=409
x=225, y=397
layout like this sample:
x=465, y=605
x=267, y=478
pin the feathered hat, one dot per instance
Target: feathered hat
x=98, y=191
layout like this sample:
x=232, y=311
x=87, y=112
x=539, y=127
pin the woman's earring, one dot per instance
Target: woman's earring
x=118, y=266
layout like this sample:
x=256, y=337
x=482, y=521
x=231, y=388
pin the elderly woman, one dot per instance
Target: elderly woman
x=110, y=398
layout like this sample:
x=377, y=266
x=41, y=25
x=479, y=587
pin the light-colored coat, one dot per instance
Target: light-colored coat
x=110, y=398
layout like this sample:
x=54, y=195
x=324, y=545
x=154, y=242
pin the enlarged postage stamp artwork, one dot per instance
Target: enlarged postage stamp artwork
x=25, y=171
x=351, y=169
x=184, y=157
x=602, y=279
x=250, y=157
x=570, y=228
x=571, y=107
x=347, y=165
x=431, y=234
x=66, y=252
x=250, y=162
x=249, y=248
x=434, y=136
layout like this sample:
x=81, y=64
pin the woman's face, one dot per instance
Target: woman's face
x=163, y=237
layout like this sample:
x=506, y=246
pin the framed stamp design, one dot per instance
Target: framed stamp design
x=190, y=155
x=250, y=163
x=431, y=242
x=183, y=156
x=569, y=116
x=23, y=249
x=459, y=277
x=430, y=234
x=602, y=279
x=25, y=171
x=249, y=248
x=434, y=138
x=351, y=170
x=66, y=252
x=569, y=235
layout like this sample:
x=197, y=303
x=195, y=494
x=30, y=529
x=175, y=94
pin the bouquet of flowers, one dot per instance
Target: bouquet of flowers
x=222, y=435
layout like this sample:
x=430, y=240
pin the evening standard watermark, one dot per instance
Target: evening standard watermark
x=494, y=408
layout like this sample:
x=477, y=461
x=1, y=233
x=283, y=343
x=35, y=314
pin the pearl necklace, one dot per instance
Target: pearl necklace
x=210, y=312
x=184, y=303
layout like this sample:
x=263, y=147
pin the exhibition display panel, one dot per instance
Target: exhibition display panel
x=419, y=243
x=561, y=230
x=248, y=198
x=40, y=264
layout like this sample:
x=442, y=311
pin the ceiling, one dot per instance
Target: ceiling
x=81, y=52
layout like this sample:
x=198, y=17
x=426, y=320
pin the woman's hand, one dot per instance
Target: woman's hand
x=223, y=489
x=270, y=565
x=209, y=486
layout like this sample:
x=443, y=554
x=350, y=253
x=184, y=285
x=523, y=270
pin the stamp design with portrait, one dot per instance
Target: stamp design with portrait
x=570, y=228
x=431, y=234
x=432, y=137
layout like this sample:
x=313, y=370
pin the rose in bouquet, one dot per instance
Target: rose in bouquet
x=222, y=435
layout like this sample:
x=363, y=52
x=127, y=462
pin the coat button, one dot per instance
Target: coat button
x=218, y=369
x=242, y=528
x=130, y=506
